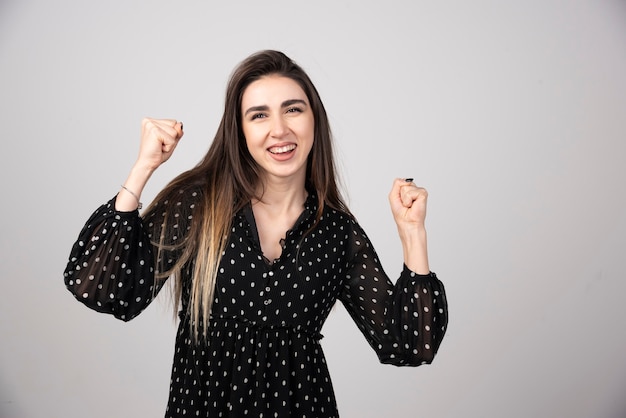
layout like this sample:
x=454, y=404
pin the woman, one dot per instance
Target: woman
x=260, y=245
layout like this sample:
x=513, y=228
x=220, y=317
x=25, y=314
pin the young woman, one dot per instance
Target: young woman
x=260, y=245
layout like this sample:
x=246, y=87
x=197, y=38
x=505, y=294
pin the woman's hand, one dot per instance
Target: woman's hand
x=159, y=138
x=408, y=205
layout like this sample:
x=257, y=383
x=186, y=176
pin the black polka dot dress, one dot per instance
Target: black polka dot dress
x=262, y=357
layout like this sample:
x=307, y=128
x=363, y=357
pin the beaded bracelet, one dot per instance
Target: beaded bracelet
x=139, y=204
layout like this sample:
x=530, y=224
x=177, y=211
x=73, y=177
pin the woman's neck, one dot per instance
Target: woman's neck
x=281, y=196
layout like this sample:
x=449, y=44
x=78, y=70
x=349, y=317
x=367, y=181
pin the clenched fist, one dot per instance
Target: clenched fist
x=159, y=138
x=408, y=203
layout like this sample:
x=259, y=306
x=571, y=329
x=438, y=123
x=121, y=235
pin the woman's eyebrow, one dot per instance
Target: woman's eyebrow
x=265, y=108
x=262, y=108
x=291, y=102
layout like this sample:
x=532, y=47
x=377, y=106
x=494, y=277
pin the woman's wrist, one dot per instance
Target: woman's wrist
x=129, y=197
x=415, y=249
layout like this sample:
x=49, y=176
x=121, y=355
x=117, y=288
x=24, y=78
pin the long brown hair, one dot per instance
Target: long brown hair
x=227, y=178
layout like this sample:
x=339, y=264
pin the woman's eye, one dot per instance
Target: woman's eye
x=257, y=116
x=294, y=110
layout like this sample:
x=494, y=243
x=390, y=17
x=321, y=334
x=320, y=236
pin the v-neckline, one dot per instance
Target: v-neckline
x=254, y=232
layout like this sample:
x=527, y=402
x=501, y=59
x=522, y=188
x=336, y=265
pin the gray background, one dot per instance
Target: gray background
x=512, y=114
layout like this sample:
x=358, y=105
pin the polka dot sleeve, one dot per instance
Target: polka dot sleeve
x=404, y=323
x=111, y=265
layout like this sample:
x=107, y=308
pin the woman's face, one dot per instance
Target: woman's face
x=278, y=124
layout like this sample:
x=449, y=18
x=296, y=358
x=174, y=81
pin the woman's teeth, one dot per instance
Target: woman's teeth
x=283, y=149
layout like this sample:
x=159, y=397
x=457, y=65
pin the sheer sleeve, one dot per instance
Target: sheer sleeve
x=404, y=323
x=111, y=266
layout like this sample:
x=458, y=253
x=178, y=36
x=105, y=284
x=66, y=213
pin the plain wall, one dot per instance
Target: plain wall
x=512, y=114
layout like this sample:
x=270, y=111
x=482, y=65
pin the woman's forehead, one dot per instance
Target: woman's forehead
x=272, y=89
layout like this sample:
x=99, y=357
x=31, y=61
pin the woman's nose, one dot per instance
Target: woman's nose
x=279, y=127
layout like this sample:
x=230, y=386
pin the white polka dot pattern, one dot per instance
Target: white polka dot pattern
x=262, y=357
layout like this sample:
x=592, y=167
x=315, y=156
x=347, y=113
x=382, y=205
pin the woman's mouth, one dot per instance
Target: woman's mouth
x=282, y=149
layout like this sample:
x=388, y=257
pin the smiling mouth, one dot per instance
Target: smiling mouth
x=282, y=150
